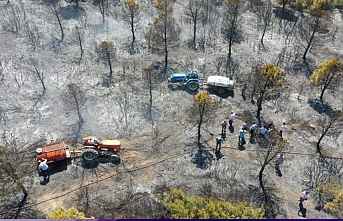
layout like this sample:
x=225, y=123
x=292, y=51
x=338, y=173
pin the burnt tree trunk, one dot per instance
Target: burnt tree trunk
x=40, y=77
x=59, y=22
x=195, y=19
x=132, y=24
x=165, y=48
x=80, y=44
x=309, y=44
x=201, y=112
x=109, y=61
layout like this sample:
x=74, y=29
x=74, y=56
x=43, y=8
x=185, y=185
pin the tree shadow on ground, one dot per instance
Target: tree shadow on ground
x=305, y=67
x=70, y=12
x=287, y=14
x=322, y=108
x=202, y=158
x=256, y=196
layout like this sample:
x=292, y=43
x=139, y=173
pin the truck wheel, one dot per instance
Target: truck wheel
x=115, y=159
x=192, y=86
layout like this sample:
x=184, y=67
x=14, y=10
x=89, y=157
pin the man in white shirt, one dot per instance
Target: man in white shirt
x=44, y=169
x=283, y=130
x=253, y=129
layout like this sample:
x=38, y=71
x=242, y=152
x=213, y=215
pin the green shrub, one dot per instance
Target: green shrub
x=332, y=194
x=71, y=213
x=182, y=206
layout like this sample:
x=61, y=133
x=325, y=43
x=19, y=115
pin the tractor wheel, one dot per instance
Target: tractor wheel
x=115, y=159
x=104, y=156
x=192, y=86
x=89, y=156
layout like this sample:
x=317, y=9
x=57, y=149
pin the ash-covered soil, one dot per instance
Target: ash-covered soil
x=168, y=155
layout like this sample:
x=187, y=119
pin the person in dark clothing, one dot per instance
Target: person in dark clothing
x=278, y=163
x=302, y=210
x=219, y=141
x=224, y=125
x=252, y=131
x=231, y=121
x=241, y=138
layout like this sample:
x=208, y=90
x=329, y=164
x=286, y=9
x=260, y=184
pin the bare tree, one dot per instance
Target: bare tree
x=32, y=33
x=231, y=28
x=16, y=171
x=329, y=126
x=106, y=52
x=210, y=23
x=193, y=15
x=165, y=30
x=103, y=5
x=132, y=16
x=308, y=29
x=319, y=172
x=76, y=98
x=40, y=77
x=78, y=32
x=55, y=12
x=265, y=14
x=125, y=119
x=273, y=146
x=148, y=79
x=12, y=18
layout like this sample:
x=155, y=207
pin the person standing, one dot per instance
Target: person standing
x=302, y=210
x=278, y=162
x=219, y=142
x=224, y=125
x=283, y=130
x=241, y=138
x=43, y=169
x=231, y=121
x=252, y=131
x=263, y=132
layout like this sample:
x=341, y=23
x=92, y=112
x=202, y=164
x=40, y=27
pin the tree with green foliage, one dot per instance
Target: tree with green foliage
x=327, y=75
x=183, y=206
x=267, y=78
x=203, y=102
x=332, y=195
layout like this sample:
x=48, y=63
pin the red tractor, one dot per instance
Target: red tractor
x=102, y=151
x=91, y=153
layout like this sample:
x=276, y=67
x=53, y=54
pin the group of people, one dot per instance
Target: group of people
x=263, y=132
x=254, y=130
